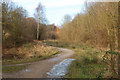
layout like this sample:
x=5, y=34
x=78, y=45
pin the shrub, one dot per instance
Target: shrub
x=90, y=58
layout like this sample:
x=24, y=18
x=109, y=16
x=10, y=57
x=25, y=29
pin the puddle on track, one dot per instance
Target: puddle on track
x=60, y=69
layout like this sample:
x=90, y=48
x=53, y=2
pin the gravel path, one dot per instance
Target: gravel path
x=46, y=68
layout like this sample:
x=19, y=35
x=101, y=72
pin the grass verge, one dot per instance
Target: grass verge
x=27, y=60
x=88, y=64
x=9, y=69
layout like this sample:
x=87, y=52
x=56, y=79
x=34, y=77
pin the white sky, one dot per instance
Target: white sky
x=55, y=9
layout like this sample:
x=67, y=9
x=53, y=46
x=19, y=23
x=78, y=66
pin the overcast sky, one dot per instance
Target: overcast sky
x=55, y=9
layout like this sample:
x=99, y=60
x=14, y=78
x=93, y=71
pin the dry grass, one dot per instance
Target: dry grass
x=28, y=53
x=30, y=50
x=38, y=49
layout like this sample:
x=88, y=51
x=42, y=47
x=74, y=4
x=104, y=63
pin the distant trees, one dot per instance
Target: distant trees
x=66, y=27
x=52, y=31
x=67, y=19
x=31, y=26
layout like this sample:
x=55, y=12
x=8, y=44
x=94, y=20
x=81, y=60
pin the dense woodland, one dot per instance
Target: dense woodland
x=98, y=26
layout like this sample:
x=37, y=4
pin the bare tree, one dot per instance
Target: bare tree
x=40, y=17
x=67, y=19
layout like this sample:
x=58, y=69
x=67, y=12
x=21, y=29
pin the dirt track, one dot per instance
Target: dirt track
x=40, y=68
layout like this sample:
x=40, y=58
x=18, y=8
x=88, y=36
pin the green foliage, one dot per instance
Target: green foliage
x=112, y=52
x=111, y=59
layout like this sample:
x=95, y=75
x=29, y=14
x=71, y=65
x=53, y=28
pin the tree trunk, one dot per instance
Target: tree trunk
x=119, y=26
x=38, y=27
x=119, y=40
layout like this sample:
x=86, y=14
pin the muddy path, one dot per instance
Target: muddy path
x=39, y=69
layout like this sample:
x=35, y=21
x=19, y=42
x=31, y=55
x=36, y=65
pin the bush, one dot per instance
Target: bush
x=90, y=58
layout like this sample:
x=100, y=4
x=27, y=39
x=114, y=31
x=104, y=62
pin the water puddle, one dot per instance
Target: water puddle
x=26, y=70
x=60, y=69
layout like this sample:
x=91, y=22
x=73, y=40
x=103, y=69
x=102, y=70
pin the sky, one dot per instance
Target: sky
x=54, y=9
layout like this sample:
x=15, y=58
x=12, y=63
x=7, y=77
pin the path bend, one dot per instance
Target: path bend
x=40, y=68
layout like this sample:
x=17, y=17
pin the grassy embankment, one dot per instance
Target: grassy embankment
x=27, y=53
x=89, y=62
